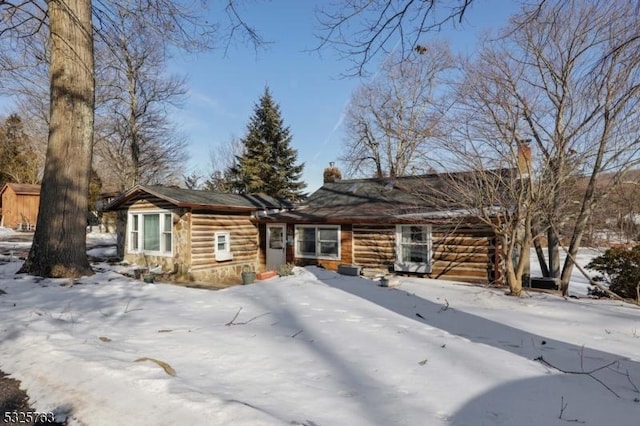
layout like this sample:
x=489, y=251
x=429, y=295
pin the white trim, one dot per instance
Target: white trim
x=316, y=256
x=224, y=254
x=163, y=252
x=418, y=267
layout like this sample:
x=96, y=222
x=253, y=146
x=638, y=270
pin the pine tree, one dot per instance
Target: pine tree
x=268, y=163
x=19, y=163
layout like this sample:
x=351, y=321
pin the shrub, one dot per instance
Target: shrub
x=620, y=268
x=285, y=269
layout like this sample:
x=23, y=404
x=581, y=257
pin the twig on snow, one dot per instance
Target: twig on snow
x=127, y=310
x=563, y=406
x=232, y=322
x=586, y=373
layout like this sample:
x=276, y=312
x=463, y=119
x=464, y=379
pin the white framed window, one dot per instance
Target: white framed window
x=413, y=248
x=151, y=233
x=318, y=241
x=222, y=246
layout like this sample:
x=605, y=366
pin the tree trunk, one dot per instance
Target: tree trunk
x=553, y=247
x=515, y=284
x=513, y=281
x=535, y=232
x=59, y=244
x=540, y=255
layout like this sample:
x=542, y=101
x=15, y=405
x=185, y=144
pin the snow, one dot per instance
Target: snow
x=315, y=348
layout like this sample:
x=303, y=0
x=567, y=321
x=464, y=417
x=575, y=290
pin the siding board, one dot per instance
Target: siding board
x=461, y=253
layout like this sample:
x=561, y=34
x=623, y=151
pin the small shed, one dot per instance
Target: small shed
x=19, y=204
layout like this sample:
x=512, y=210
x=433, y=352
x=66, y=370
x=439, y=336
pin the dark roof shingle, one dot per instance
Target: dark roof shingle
x=201, y=199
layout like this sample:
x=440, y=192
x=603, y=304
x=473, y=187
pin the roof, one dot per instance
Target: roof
x=22, y=188
x=194, y=198
x=383, y=199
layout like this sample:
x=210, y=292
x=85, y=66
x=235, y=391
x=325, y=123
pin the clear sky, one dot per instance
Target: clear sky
x=305, y=83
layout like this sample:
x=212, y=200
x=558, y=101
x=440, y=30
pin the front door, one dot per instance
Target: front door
x=276, y=246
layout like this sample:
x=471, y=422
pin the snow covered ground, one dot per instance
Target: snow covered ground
x=316, y=348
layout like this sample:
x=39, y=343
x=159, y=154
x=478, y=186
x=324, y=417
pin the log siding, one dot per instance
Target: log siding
x=193, y=243
x=244, y=243
x=457, y=253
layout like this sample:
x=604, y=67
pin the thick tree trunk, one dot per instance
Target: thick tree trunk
x=59, y=244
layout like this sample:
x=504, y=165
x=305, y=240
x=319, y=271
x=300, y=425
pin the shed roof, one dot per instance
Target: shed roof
x=21, y=188
x=194, y=198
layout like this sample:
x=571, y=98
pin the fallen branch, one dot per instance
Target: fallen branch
x=586, y=373
x=232, y=322
x=631, y=382
x=234, y=317
x=628, y=376
x=166, y=367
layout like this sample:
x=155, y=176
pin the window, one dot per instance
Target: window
x=150, y=233
x=135, y=232
x=276, y=238
x=222, y=246
x=318, y=241
x=413, y=248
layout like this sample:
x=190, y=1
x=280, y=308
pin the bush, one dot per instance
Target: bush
x=620, y=268
x=286, y=269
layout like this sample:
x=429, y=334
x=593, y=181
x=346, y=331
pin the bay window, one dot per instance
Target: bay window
x=150, y=233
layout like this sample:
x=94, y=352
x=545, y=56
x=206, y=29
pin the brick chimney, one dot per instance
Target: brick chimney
x=524, y=157
x=331, y=173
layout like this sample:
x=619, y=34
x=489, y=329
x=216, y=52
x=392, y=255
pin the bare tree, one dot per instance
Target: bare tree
x=578, y=93
x=390, y=120
x=223, y=157
x=502, y=188
x=59, y=246
x=137, y=143
x=363, y=29
x=564, y=77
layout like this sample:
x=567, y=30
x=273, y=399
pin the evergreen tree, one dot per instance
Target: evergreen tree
x=268, y=163
x=19, y=162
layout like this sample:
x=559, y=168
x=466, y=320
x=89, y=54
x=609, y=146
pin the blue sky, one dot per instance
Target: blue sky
x=223, y=89
x=306, y=84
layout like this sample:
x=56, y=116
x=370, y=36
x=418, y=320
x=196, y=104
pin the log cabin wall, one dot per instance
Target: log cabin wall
x=176, y=267
x=464, y=253
x=244, y=246
x=193, y=256
x=374, y=246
